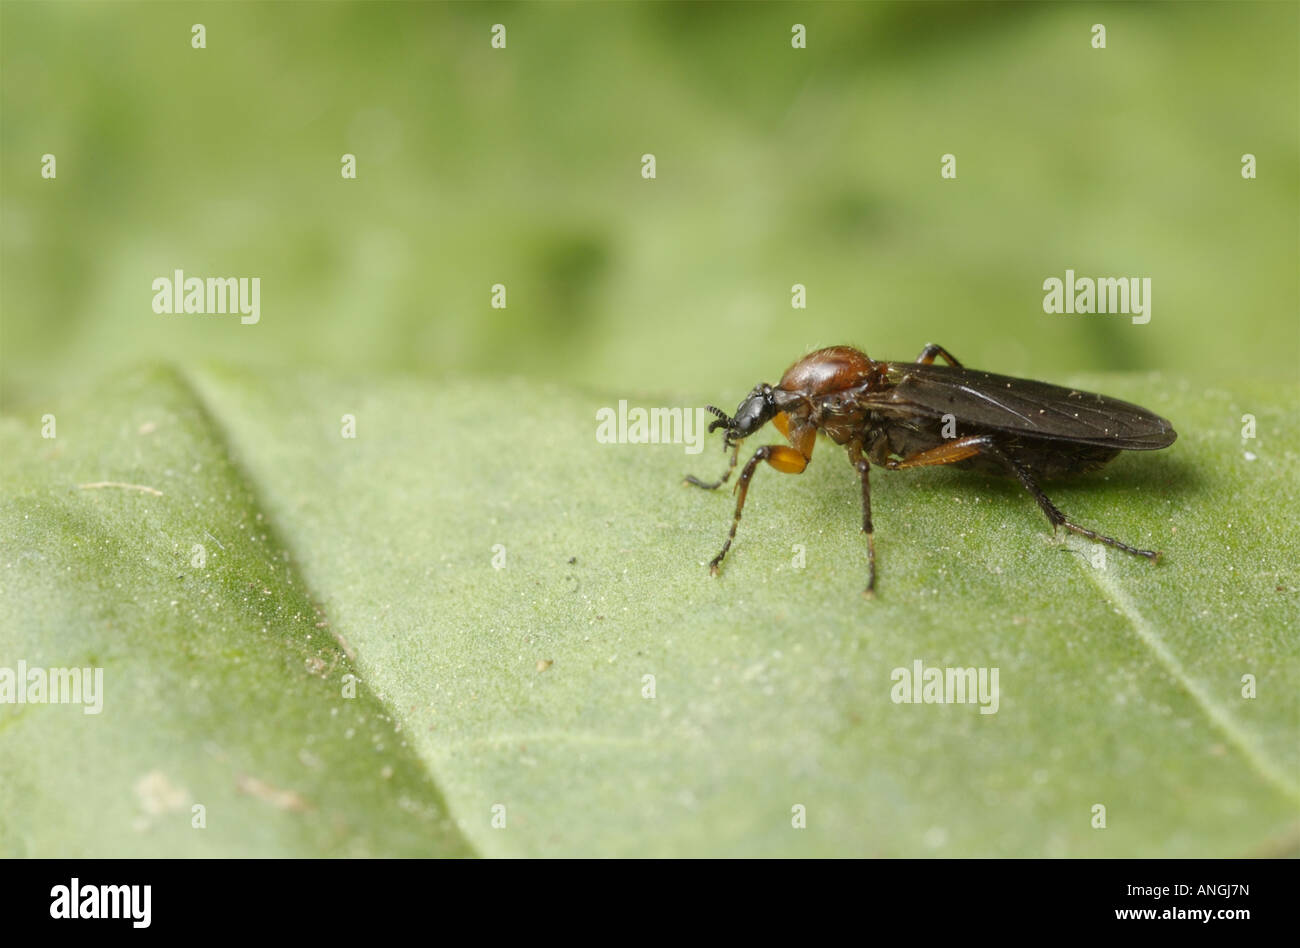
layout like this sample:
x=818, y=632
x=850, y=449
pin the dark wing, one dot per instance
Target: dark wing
x=1021, y=406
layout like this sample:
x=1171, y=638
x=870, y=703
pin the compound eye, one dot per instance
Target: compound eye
x=751, y=414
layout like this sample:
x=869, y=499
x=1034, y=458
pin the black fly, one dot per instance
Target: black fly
x=900, y=415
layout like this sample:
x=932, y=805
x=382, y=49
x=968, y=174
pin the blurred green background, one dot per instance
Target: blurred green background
x=522, y=166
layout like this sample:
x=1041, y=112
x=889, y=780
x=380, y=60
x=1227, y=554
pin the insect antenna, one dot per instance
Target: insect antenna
x=724, y=420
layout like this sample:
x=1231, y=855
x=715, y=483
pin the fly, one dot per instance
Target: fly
x=900, y=415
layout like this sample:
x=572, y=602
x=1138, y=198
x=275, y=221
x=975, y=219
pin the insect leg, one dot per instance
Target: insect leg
x=863, y=467
x=949, y=452
x=1057, y=518
x=962, y=448
x=928, y=354
x=714, y=485
x=784, y=459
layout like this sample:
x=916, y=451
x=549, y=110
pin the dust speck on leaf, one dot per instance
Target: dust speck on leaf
x=278, y=798
x=158, y=795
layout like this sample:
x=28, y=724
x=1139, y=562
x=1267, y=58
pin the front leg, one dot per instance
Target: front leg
x=714, y=485
x=784, y=459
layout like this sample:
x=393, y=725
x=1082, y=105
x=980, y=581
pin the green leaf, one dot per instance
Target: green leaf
x=525, y=687
x=222, y=684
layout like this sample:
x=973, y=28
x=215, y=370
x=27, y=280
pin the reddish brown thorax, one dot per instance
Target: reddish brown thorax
x=828, y=370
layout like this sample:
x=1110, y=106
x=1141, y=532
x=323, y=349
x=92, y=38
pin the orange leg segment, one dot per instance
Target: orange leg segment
x=947, y=453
